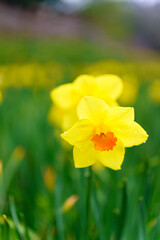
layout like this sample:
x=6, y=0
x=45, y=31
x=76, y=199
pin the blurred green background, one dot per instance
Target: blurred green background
x=42, y=195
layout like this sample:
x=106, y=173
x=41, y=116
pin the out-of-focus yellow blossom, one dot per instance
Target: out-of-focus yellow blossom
x=19, y=153
x=55, y=116
x=1, y=81
x=154, y=91
x=61, y=117
x=31, y=75
x=67, y=96
x=69, y=203
x=4, y=217
x=152, y=222
x=130, y=90
x=109, y=67
x=98, y=166
x=1, y=97
x=102, y=133
x=49, y=177
x=142, y=69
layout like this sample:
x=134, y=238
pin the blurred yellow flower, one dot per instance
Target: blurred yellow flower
x=69, y=203
x=154, y=91
x=61, y=117
x=102, y=133
x=19, y=153
x=49, y=177
x=130, y=90
x=1, y=97
x=4, y=217
x=98, y=166
x=30, y=75
x=67, y=96
x=1, y=81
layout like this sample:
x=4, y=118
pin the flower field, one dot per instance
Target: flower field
x=42, y=195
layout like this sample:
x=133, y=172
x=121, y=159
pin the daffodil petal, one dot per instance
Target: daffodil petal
x=92, y=108
x=110, y=101
x=110, y=85
x=86, y=85
x=55, y=115
x=118, y=115
x=68, y=119
x=130, y=134
x=65, y=96
x=112, y=158
x=85, y=155
x=80, y=132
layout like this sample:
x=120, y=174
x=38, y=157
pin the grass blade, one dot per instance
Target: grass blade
x=15, y=219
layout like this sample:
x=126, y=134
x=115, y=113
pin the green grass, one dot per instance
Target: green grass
x=70, y=51
x=123, y=205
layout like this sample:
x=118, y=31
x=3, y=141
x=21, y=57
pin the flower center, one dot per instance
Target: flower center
x=104, y=141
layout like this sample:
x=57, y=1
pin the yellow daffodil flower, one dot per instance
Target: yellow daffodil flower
x=66, y=97
x=61, y=117
x=154, y=91
x=102, y=133
x=130, y=91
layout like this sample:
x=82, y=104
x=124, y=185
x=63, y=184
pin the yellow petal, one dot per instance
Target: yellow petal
x=119, y=114
x=109, y=85
x=85, y=155
x=65, y=96
x=92, y=108
x=80, y=132
x=112, y=158
x=62, y=118
x=130, y=133
x=110, y=101
x=69, y=119
x=55, y=115
x=86, y=85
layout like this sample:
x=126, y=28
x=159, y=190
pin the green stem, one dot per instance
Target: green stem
x=96, y=213
x=88, y=199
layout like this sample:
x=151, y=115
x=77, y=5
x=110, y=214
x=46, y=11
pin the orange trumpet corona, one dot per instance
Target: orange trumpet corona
x=104, y=141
